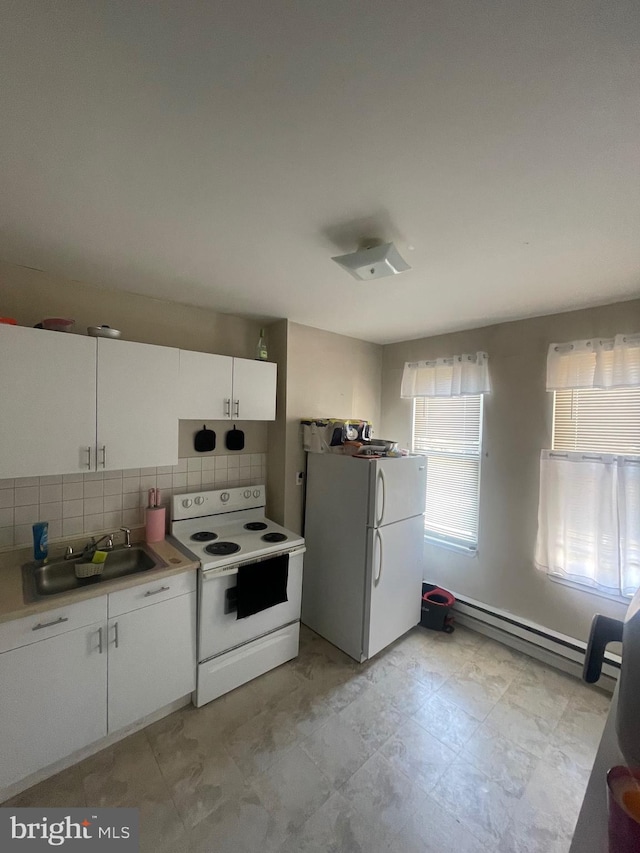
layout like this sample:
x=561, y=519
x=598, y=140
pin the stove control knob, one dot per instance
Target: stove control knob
x=199, y=500
x=187, y=503
x=224, y=497
x=247, y=493
x=256, y=493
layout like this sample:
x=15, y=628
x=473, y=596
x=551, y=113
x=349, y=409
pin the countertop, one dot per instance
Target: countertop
x=591, y=834
x=12, y=600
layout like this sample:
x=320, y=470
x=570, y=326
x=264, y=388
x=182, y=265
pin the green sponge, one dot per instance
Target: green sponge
x=99, y=556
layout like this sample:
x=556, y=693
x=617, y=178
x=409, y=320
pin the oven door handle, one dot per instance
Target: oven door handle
x=212, y=576
x=232, y=568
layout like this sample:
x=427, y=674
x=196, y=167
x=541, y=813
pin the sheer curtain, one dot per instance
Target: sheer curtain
x=629, y=515
x=589, y=504
x=577, y=519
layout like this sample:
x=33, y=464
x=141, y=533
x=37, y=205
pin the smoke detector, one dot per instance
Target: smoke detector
x=373, y=260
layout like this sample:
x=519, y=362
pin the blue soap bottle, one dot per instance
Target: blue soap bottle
x=40, y=540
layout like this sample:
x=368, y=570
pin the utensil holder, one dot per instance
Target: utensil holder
x=155, y=524
x=88, y=570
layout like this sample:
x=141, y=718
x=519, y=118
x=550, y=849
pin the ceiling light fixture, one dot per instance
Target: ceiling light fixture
x=373, y=259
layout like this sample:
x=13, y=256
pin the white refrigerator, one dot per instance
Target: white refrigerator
x=364, y=533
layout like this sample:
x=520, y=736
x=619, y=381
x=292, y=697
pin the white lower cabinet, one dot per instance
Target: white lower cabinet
x=70, y=689
x=53, y=701
x=152, y=659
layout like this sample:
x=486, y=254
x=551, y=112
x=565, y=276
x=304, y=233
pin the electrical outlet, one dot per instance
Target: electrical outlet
x=299, y=478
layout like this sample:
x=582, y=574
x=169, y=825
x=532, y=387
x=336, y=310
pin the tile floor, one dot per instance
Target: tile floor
x=442, y=743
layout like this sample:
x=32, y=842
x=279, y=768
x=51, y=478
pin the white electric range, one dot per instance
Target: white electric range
x=226, y=529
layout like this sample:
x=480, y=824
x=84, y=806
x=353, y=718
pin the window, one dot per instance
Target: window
x=589, y=512
x=448, y=432
x=597, y=421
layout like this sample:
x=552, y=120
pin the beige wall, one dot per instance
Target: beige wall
x=29, y=296
x=277, y=338
x=328, y=375
x=255, y=437
x=517, y=424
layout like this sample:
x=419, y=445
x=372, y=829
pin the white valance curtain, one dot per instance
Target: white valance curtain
x=595, y=363
x=458, y=376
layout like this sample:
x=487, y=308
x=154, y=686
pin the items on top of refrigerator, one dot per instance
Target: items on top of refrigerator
x=375, y=447
x=320, y=435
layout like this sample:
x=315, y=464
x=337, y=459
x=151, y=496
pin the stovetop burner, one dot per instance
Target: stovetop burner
x=221, y=549
x=274, y=537
x=204, y=536
x=256, y=525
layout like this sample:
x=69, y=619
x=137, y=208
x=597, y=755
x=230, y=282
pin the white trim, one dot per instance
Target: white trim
x=451, y=545
x=551, y=647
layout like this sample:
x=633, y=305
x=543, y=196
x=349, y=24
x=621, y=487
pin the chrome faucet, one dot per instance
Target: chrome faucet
x=92, y=544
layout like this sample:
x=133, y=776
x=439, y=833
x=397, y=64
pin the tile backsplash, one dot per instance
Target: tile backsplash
x=89, y=503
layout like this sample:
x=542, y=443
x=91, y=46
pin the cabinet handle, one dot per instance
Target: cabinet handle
x=227, y=407
x=89, y=457
x=116, y=638
x=103, y=450
x=236, y=403
x=156, y=591
x=100, y=646
x=49, y=624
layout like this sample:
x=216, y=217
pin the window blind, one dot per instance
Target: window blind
x=448, y=432
x=597, y=420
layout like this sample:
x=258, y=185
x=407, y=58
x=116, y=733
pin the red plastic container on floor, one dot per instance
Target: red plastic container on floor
x=436, y=608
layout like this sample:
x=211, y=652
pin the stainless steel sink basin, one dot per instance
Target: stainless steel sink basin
x=59, y=575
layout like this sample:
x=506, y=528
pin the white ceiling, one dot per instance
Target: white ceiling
x=219, y=153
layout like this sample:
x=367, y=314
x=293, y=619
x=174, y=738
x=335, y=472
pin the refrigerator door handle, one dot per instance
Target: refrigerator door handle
x=382, y=489
x=376, y=580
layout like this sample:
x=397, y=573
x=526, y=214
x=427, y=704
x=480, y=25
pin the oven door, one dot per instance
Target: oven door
x=219, y=629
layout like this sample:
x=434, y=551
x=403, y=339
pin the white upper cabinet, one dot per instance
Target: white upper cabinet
x=47, y=402
x=217, y=387
x=137, y=408
x=205, y=386
x=254, y=390
x=70, y=403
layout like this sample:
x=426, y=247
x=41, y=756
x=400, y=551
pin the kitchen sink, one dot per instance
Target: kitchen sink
x=59, y=575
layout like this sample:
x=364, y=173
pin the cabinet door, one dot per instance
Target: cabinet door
x=254, y=390
x=53, y=701
x=204, y=386
x=47, y=408
x=152, y=659
x=137, y=411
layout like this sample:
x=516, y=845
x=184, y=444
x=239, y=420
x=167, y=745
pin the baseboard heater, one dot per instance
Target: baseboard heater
x=550, y=647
